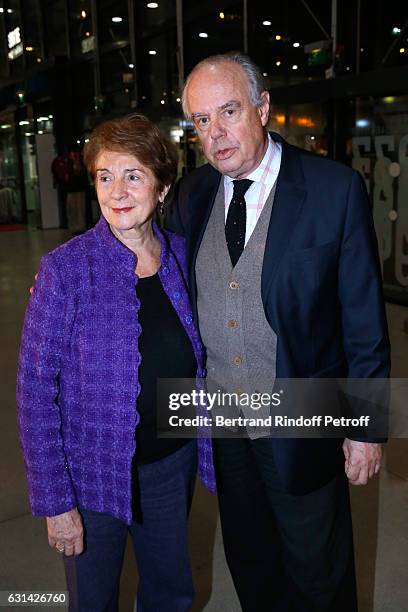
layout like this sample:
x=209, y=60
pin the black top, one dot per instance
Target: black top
x=166, y=352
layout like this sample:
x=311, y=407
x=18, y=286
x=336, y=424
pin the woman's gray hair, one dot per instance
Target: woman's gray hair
x=254, y=76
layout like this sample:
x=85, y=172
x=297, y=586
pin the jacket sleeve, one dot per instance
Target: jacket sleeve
x=39, y=419
x=365, y=335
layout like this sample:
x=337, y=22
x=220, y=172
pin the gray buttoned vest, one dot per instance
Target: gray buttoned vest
x=241, y=345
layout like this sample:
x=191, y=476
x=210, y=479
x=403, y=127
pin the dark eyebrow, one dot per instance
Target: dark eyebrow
x=230, y=103
x=223, y=107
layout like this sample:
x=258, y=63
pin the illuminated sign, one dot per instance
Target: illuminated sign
x=88, y=44
x=14, y=43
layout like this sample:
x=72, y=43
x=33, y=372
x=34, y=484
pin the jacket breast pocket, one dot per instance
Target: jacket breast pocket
x=313, y=270
x=315, y=253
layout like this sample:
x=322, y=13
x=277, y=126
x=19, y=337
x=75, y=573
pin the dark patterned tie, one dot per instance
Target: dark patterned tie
x=235, y=225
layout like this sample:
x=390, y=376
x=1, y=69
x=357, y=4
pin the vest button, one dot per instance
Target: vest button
x=233, y=285
x=232, y=324
x=237, y=360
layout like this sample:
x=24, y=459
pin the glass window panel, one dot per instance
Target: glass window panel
x=11, y=208
x=32, y=33
x=378, y=147
x=382, y=34
x=113, y=22
x=54, y=28
x=117, y=80
x=278, y=34
x=150, y=20
x=81, y=31
x=206, y=32
x=157, y=74
x=303, y=125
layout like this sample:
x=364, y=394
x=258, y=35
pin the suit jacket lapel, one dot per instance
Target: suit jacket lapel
x=289, y=197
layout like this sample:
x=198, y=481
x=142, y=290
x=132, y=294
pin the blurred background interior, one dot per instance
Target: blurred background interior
x=338, y=76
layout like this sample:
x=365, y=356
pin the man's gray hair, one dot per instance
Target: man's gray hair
x=254, y=76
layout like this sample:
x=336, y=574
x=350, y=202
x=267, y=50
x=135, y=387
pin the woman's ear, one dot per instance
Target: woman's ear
x=163, y=193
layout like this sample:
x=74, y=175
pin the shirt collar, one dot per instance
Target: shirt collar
x=259, y=175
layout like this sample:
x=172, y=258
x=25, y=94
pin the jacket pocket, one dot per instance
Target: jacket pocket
x=313, y=253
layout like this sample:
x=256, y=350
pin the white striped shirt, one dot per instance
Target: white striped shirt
x=264, y=177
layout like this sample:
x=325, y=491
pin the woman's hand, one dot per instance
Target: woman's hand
x=65, y=532
x=32, y=286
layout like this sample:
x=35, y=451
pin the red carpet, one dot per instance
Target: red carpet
x=11, y=227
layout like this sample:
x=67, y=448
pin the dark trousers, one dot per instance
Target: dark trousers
x=286, y=553
x=160, y=544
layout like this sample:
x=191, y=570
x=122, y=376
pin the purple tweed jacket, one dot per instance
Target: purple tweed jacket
x=77, y=380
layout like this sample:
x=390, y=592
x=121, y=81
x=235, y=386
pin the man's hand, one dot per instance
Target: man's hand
x=363, y=460
x=65, y=532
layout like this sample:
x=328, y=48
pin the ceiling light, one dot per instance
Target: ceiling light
x=396, y=30
x=152, y=5
x=152, y=52
x=267, y=23
x=402, y=50
x=24, y=122
x=362, y=123
x=278, y=63
x=50, y=116
x=42, y=119
x=222, y=15
x=1, y=11
x=294, y=67
x=9, y=10
x=203, y=35
x=296, y=45
x=162, y=102
x=313, y=138
x=117, y=19
x=278, y=37
x=131, y=65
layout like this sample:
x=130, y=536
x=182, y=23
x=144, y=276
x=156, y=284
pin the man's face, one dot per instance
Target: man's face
x=230, y=128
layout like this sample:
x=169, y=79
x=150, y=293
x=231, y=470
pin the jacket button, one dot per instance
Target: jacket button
x=232, y=324
x=234, y=285
x=237, y=360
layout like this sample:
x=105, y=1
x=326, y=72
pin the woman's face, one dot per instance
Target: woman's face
x=126, y=190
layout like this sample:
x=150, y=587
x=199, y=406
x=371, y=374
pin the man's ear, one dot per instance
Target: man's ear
x=263, y=108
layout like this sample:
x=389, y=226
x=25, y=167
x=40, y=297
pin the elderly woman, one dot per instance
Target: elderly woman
x=110, y=315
